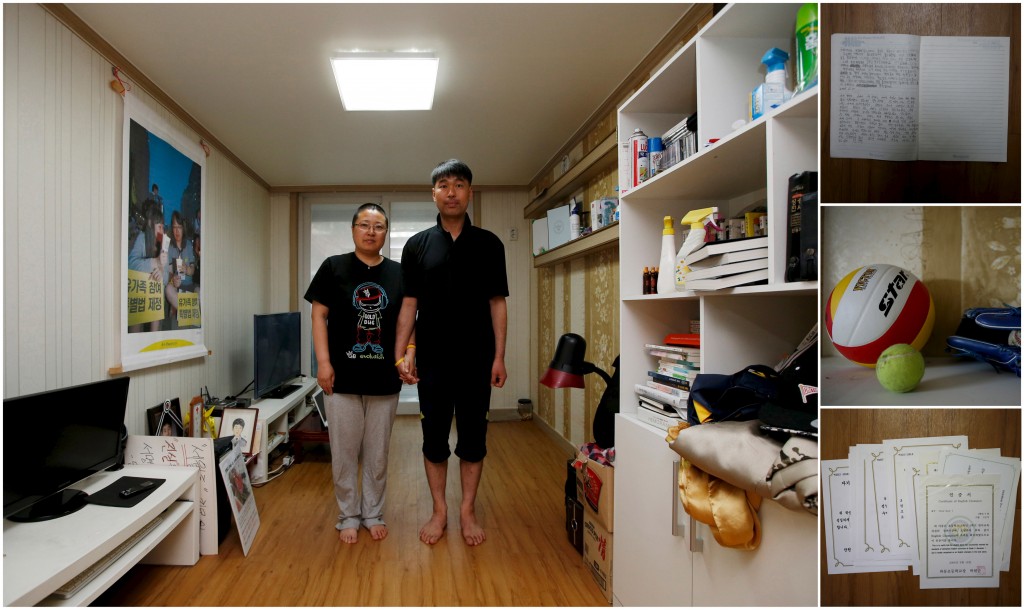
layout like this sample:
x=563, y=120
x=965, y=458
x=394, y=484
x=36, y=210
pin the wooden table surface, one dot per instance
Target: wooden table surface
x=985, y=428
x=871, y=181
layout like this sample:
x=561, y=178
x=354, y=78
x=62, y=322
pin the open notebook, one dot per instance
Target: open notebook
x=897, y=97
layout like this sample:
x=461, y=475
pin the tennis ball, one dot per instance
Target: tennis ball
x=900, y=368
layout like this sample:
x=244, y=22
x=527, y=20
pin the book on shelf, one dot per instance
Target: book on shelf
x=729, y=281
x=677, y=373
x=688, y=360
x=681, y=365
x=726, y=270
x=729, y=245
x=661, y=387
x=668, y=399
x=683, y=339
x=659, y=419
x=728, y=258
x=672, y=382
x=690, y=353
x=657, y=406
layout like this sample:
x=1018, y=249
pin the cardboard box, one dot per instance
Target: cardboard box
x=595, y=489
x=597, y=553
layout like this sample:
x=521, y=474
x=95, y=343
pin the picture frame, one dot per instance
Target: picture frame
x=165, y=419
x=245, y=435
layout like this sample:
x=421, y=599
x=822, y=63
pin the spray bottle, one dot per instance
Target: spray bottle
x=773, y=93
x=666, y=285
x=697, y=219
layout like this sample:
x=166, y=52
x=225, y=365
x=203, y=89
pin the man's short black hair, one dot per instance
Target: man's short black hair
x=452, y=168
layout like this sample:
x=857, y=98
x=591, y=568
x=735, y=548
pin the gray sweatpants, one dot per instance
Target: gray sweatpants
x=360, y=430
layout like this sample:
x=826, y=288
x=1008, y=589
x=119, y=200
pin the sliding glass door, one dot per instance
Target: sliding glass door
x=326, y=226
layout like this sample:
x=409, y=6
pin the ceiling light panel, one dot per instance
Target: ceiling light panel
x=386, y=81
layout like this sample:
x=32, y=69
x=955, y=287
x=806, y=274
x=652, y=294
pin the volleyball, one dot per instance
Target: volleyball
x=877, y=306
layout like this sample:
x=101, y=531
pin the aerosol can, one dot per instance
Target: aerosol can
x=698, y=220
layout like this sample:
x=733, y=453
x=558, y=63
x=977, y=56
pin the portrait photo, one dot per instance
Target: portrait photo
x=165, y=419
x=240, y=424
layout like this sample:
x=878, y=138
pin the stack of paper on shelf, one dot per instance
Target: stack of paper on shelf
x=728, y=263
x=929, y=504
x=662, y=398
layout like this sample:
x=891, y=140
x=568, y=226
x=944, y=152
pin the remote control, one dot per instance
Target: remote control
x=131, y=491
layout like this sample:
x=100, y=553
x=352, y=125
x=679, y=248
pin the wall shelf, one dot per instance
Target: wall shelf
x=599, y=239
x=604, y=157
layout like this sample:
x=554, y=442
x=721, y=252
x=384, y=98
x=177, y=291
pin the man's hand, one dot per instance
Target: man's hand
x=325, y=377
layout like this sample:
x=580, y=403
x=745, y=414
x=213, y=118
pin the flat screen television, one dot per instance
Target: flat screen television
x=277, y=340
x=56, y=438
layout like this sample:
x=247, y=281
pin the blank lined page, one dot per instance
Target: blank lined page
x=964, y=98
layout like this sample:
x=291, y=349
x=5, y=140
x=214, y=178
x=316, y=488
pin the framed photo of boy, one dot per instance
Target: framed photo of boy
x=165, y=419
x=240, y=424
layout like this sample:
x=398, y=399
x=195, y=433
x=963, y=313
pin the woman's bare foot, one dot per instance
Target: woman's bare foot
x=379, y=532
x=471, y=530
x=349, y=535
x=432, y=531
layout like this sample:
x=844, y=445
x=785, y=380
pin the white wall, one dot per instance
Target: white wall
x=61, y=230
x=499, y=212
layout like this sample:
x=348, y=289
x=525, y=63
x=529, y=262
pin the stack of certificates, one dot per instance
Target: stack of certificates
x=929, y=504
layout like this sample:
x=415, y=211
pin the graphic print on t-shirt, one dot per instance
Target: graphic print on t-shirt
x=370, y=299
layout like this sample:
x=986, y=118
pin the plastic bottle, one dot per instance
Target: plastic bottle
x=666, y=284
x=773, y=93
x=697, y=219
x=807, y=47
x=647, y=281
x=574, y=222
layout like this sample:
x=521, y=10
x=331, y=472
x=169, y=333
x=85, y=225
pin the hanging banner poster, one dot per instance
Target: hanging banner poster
x=163, y=196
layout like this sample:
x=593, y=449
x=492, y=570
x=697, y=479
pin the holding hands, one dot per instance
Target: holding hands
x=407, y=366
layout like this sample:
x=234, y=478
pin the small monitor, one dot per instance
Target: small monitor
x=53, y=440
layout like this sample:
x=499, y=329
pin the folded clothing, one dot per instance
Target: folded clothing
x=738, y=454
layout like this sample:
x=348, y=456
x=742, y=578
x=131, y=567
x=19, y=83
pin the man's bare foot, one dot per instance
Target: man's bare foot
x=471, y=530
x=432, y=531
x=349, y=535
x=379, y=532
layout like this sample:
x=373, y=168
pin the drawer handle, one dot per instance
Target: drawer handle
x=675, y=499
x=696, y=544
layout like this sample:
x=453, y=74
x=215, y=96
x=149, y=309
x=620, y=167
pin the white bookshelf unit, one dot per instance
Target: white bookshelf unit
x=711, y=75
x=40, y=557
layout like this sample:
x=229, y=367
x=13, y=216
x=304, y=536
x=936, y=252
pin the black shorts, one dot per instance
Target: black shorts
x=454, y=393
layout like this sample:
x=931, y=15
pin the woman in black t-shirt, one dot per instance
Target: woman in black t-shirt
x=356, y=298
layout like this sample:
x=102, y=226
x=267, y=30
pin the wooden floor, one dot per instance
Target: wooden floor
x=297, y=560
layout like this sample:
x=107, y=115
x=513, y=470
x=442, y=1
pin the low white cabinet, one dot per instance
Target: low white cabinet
x=651, y=566
x=279, y=415
x=40, y=557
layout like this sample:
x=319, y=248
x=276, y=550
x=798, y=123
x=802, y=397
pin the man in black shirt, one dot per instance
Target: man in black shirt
x=455, y=289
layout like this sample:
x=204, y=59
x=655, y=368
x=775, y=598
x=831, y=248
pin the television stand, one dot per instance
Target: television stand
x=277, y=418
x=282, y=391
x=40, y=557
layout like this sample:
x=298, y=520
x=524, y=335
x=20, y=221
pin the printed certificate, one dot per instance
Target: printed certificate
x=909, y=458
x=1008, y=471
x=839, y=506
x=957, y=531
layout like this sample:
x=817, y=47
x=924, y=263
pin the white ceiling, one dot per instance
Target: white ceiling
x=515, y=80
